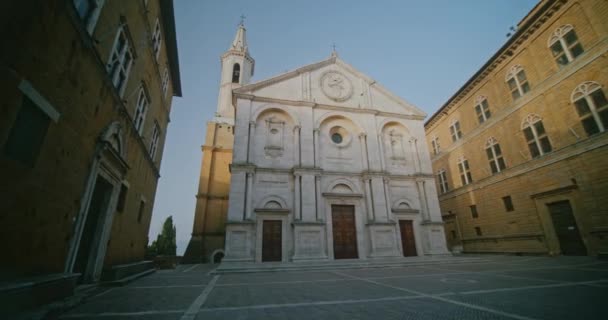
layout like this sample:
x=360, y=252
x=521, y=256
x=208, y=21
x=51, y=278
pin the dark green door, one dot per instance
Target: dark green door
x=566, y=229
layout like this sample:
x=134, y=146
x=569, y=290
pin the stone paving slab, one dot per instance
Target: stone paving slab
x=394, y=272
x=174, y=280
x=418, y=308
x=459, y=283
x=237, y=278
x=560, y=274
x=260, y=294
x=573, y=302
x=139, y=300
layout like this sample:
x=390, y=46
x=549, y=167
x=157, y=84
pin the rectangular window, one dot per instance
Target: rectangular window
x=483, y=111
x=508, y=203
x=88, y=11
x=497, y=162
x=443, y=181
x=474, y=213
x=156, y=40
x=435, y=145
x=154, y=140
x=120, y=61
x=122, y=198
x=465, y=172
x=165, y=82
x=478, y=231
x=27, y=134
x=453, y=234
x=140, y=213
x=141, y=109
x=455, y=131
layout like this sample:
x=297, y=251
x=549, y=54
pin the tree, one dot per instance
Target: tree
x=165, y=243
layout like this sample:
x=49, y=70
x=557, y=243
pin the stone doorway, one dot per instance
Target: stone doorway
x=271, y=240
x=93, y=225
x=408, y=241
x=345, y=232
x=566, y=229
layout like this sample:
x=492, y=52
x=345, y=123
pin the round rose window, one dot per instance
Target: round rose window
x=336, y=138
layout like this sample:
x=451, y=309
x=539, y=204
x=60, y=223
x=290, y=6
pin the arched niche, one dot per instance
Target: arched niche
x=397, y=149
x=273, y=133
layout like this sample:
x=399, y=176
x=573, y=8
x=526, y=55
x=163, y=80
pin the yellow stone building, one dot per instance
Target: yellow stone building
x=87, y=91
x=520, y=150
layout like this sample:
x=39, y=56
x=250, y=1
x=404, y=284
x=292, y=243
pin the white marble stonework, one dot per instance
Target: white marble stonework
x=326, y=135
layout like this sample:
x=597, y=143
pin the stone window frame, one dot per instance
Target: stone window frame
x=455, y=131
x=517, y=81
x=442, y=179
x=435, y=145
x=535, y=135
x=120, y=60
x=495, y=156
x=482, y=109
x=142, y=104
x=157, y=39
x=154, y=139
x=585, y=98
x=88, y=14
x=474, y=211
x=564, y=45
x=508, y=203
x=464, y=170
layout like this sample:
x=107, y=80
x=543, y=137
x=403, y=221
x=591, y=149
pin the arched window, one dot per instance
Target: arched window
x=535, y=135
x=592, y=106
x=442, y=178
x=497, y=162
x=455, y=130
x=482, y=109
x=464, y=170
x=236, y=73
x=564, y=45
x=517, y=81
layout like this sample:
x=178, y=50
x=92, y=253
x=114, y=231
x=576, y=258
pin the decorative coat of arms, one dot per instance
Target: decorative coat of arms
x=336, y=86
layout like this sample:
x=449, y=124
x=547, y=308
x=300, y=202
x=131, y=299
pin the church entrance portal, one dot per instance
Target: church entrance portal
x=408, y=242
x=271, y=240
x=345, y=233
x=100, y=200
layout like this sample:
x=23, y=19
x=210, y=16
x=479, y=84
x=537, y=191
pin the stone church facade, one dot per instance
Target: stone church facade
x=326, y=164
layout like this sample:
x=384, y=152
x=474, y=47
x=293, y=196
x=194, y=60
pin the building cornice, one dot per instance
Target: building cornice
x=529, y=25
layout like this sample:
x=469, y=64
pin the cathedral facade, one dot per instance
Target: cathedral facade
x=327, y=164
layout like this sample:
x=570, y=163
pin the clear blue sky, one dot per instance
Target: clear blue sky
x=421, y=50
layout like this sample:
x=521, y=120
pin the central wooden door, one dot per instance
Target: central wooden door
x=271, y=240
x=566, y=229
x=345, y=232
x=408, y=241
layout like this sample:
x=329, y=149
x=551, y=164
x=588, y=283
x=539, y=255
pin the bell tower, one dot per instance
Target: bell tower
x=208, y=231
x=237, y=70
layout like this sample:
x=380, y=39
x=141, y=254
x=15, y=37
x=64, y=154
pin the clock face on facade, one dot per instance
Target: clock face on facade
x=336, y=86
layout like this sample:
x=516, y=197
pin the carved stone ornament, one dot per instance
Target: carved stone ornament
x=336, y=86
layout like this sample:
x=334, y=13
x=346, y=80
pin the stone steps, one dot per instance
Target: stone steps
x=250, y=267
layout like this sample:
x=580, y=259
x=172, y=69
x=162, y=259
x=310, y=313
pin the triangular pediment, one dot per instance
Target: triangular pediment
x=330, y=82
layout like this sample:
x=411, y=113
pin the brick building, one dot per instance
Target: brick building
x=87, y=91
x=519, y=151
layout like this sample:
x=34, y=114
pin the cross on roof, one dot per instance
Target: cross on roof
x=242, y=22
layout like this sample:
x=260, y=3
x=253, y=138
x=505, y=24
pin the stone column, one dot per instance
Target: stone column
x=364, y=157
x=387, y=198
x=368, y=199
x=416, y=155
x=318, y=197
x=297, y=156
x=316, y=146
x=381, y=147
x=250, y=141
x=249, y=195
x=297, y=207
x=423, y=200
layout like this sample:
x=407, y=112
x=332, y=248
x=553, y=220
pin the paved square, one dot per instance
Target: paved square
x=496, y=287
